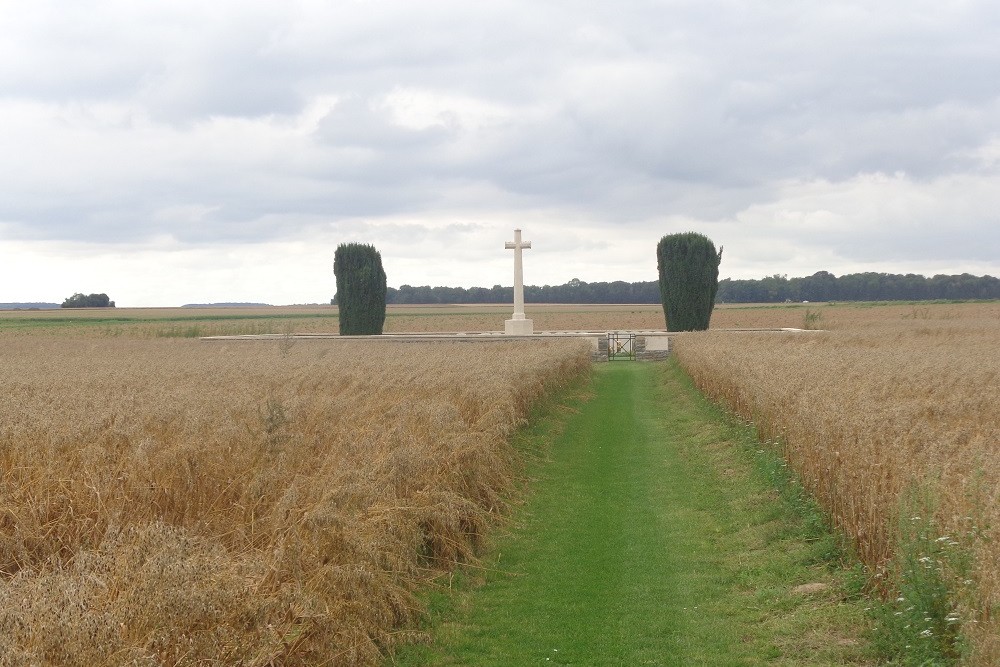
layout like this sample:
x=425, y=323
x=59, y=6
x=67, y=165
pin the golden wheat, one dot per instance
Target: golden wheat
x=868, y=416
x=181, y=322
x=181, y=502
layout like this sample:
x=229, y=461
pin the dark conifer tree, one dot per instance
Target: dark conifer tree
x=689, y=279
x=361, y=289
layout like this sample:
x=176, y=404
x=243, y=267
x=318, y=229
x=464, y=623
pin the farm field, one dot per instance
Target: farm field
x=189, y=322
x=167, y=500
x=894, y=426
x=195, y=322
x=180, y=502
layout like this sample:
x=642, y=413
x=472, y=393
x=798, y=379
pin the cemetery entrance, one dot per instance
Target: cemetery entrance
x=621, y=346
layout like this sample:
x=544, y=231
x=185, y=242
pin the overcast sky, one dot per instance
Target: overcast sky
x=168, y=152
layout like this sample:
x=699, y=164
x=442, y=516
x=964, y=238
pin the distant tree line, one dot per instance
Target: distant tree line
x=824, y=286
x=821, y=286
x=28, y=305
x=575, y=291
x=88, y=301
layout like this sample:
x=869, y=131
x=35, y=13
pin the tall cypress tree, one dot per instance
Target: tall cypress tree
x=361, y=289
x=689, y=279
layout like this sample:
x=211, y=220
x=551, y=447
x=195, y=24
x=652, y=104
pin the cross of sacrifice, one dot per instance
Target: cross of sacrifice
x=518, y=325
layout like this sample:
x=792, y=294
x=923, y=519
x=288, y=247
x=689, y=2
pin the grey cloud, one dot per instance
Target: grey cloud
x=613, y=113
x=180, y=60
x=355, y=123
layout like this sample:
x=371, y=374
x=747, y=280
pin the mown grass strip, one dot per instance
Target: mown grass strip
x=653, y=536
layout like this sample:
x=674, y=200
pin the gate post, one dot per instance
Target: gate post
x=602, y=349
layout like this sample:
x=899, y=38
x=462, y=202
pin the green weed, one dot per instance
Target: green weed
x=921, y=624
x=811, y=319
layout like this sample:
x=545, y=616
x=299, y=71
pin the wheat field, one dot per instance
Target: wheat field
x=184, y=502
x=170, y=501
x=889, y=423
x=196, y=322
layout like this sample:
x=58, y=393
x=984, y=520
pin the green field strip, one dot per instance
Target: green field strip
x=42, y=321
x=652, y=536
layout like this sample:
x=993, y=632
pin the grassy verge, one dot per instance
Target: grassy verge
x=656, y=534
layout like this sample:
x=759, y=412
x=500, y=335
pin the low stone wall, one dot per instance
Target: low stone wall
x=652, y=348
x=649, y=345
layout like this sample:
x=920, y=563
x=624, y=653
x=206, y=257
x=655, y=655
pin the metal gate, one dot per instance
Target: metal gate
x=621, y=346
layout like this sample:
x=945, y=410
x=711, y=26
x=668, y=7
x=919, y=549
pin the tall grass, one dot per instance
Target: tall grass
x=180, y=502
x=871, y=420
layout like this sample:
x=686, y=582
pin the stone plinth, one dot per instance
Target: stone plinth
x=519, y=327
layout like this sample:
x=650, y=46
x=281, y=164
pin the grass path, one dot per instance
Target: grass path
x=649, y=539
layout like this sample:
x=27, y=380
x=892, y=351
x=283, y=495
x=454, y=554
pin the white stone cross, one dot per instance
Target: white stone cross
x=518, y=325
